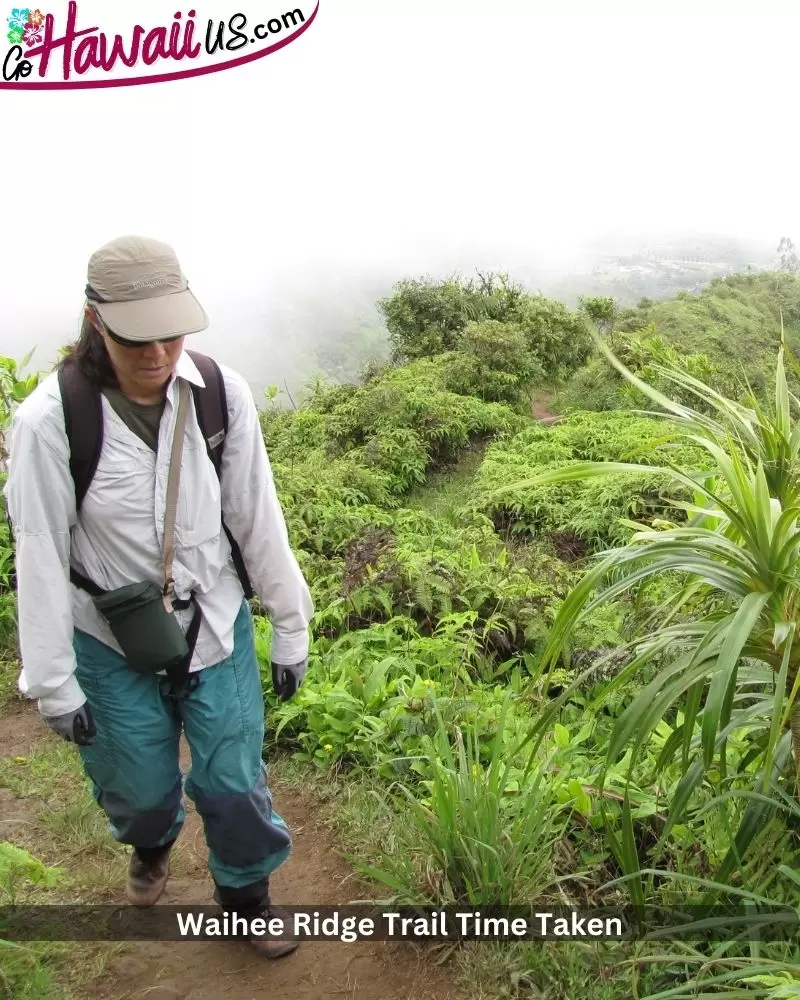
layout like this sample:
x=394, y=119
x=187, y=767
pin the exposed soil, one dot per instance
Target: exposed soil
x=20, y=731
x=314, y=875
x=540, y=410
x=569, y=547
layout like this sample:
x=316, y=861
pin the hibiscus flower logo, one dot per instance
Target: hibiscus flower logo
x=19, y=19
x=15, y=36
x=33, y=34
x=35, y=18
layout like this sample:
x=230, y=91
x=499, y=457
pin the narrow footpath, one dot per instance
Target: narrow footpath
x=314, y=875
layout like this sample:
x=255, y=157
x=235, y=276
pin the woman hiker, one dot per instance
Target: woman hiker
x=133, y=565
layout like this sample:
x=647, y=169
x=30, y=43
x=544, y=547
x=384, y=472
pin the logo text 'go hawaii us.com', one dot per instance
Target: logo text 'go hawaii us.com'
x=47, y=53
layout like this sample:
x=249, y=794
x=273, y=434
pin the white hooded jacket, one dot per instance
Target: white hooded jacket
x=119, y=536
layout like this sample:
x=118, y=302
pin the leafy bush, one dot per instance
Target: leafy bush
x=737, y=317
x=413, y=396
x=381, y=439
x=431, y=571
x=579, y=516
x=558, y=339
x=371, y=694
x=726, y=336
x=426, y=317
x=428, y=569
x=493, y=362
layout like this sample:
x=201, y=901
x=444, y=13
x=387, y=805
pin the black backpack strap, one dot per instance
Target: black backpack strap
x=181, y=681
x=211, y=406
x=83, y=422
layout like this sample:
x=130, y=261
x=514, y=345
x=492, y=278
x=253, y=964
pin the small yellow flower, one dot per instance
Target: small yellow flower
x=328, y=746
x=428, y=682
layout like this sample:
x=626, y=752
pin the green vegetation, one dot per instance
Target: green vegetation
x=492, y=319
x=556, y=662
x=14, y=387
x=727, y=336
x=25, y=971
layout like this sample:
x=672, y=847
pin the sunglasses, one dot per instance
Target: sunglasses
x=138, y=343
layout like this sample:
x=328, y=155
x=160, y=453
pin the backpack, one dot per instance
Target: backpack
x=83, y=421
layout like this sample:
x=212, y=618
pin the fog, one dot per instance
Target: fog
x=395, y=139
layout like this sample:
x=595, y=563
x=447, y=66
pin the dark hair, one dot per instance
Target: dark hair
x=90, y=354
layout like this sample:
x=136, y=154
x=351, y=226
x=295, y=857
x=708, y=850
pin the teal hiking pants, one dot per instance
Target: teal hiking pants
x=133, y=762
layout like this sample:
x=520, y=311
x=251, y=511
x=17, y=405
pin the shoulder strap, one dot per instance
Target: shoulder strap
x=211, y=406
x=83, y=421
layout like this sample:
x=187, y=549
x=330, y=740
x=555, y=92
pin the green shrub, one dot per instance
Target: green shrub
x=583, y=515
x=558, y=339
x=598, y=386
x=382, y=438
x=425, y=317
x=493, y=362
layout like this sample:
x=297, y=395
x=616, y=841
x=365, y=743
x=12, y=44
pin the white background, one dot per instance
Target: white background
x=397, y=137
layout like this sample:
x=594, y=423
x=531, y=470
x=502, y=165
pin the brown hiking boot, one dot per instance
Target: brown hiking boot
x=268, y=947
x=148, y=872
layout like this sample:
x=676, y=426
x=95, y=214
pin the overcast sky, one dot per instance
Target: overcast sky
x=396, y=137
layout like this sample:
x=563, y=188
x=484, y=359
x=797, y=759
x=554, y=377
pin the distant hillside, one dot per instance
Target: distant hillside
x=728, y=334
x=737, y=317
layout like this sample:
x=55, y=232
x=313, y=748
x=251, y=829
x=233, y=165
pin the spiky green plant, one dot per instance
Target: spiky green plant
x=733, y=664
x=478, y=839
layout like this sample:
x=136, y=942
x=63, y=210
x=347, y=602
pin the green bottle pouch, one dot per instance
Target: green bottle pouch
x=141, y=616
x=148, y=634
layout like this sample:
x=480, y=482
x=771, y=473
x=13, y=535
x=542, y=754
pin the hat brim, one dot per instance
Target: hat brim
x=157, y=318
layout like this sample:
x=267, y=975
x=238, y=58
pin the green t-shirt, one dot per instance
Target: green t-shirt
x=142, y=418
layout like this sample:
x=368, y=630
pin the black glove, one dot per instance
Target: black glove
x=287, y=679
x=75, y=727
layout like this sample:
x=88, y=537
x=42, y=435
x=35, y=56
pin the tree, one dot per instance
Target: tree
x=426, y=317
x=789, y=260
x=602, y=310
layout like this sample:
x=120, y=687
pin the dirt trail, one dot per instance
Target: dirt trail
x=314, y=875
x=540, y=410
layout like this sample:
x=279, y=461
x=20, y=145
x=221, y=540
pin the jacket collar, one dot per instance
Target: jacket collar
x=186, y=368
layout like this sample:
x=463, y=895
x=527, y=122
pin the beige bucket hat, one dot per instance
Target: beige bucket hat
x=140, y=292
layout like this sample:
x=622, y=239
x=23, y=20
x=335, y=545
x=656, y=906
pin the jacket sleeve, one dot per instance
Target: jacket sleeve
x=254, y=515
x=41, y=506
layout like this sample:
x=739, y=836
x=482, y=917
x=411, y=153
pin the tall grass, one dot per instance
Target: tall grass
x=473, y=835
